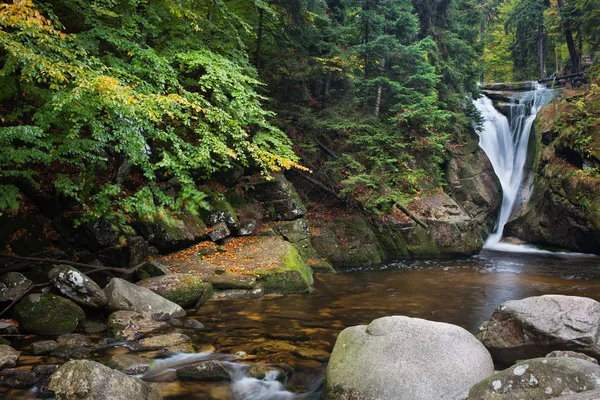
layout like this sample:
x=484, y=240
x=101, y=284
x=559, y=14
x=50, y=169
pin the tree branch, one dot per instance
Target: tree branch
x=94, y=268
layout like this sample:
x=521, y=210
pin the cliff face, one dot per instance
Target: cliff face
x=564, y=207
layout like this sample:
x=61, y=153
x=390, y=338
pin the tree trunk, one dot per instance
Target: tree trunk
x=542, y=52
x=379, y=88
x=259, y=37
x=570, y=42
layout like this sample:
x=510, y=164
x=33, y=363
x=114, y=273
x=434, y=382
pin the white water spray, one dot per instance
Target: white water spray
x=506, y=146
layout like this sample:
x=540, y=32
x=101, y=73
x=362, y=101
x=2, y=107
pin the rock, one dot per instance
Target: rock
x=43, y=347
x=43, y=373
x=175, y=322
x=73, y=339
x=266, y=372
x=151, y=269
x=123, y=295
x=130, y=364
x=220, y=212
x=405, y=358
x=172, y=232
x=89, y=380
x=8, y=327
x=159, y=342
x=291, y=276
x=233, y=281
x=535, y=326
x=193, y=324
x=237, y=294
x=69, y=351
x=539, y=378
x=588, y=395
x=13, y=285
x=17, y=378
x=573, y=354
x=247, y=227
x=47, y=314
x=279, y=198
x=8, y=356
x=204, y=371
x=130, y=325
x=91, y=327
x=218, y=232
x=78, y=287
x=183, y=289
x=99, y=235
x=124, y=255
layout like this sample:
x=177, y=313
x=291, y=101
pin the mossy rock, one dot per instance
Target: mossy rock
x=220, y=211
x=48, y=314
x=183, y=289
x=292, y=275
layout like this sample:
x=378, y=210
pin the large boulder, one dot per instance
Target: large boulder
x=405, y=359
x=123, y=295
x=77, y=286
x=89, y=380
x=47, y=314
x=535, y=326
x=279, y=198
x=183, y=289
x=172, y=232
x=539, y=378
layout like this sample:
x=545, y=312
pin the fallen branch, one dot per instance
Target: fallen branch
x=411, y=215
x=94, y=268
x=326, y=149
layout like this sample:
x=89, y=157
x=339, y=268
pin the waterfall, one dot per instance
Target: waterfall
x=506, y=146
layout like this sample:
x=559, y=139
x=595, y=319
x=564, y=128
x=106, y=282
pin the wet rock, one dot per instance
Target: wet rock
x=311, y=354
x=47, y=314
x=13, y=285
x=175, y=322
x=151, y=269
x=8, y=328
x=247, y=227
x=291, y=276
x=236, y=294
x=233, y=281
x=130, y=325
x=100, y=234
x=406, y=359
x=43, y=373
x=8, y=356
x=91, y=327
x=535, y=326
x=77, y=287
x=193, y=324
x=183, y=289
x=267, y=372
x=159, y=342
x=130, y=364
x=218, y=232
x=539, y=378
x=588, y=395
x=17, y=378
x=186, y=347
x=43, y=347
x=204, y=371
x=123, y=295
x=68, y=351
x=89, y=380
x=73, y=339
x=573, y=354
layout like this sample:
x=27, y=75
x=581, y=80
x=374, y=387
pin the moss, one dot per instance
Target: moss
x=182, y=289
x=47, y=314
x=293, y=276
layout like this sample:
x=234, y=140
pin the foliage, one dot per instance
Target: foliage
x=90, y=86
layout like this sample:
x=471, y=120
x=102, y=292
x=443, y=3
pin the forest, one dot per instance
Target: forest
x=367, y=95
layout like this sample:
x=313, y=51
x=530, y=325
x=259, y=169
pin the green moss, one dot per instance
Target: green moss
x=293, y=276
x=47, y=314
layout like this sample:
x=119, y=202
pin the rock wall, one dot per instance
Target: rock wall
x=564, y=206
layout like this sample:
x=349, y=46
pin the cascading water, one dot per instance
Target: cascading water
x=506, y=146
